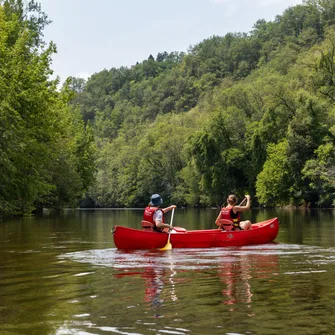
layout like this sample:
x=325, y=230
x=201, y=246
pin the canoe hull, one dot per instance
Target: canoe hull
x=262, y=232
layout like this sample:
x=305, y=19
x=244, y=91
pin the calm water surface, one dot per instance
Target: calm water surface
x=63, y=275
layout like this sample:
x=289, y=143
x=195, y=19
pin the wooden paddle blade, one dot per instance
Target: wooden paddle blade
x=167, y=247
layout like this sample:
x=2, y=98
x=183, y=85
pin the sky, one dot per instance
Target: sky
x=102, y=34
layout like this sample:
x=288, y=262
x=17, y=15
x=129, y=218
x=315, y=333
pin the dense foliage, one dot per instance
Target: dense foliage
x=244, y=113
x=46, y=152
x=247, y=112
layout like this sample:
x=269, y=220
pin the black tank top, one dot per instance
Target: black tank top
x=233, y=215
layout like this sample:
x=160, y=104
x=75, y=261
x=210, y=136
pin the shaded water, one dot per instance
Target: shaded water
x=63, y=275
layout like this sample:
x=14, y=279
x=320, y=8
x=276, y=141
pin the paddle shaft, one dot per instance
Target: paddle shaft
x=244, y=200
x=171, y=224
x=168, y=245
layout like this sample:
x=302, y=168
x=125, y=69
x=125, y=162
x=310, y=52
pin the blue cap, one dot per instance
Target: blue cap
x=156, y=200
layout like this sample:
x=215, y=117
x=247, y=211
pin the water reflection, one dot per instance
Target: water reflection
x=62, y=275
x=238, y=273
x=164, y=274
x=154, y=285
x=168, y=289
x=159, y=281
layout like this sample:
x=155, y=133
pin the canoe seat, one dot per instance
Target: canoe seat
x=226, y=224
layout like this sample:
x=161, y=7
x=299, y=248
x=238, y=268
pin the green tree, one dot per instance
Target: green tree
x=220, y=161
x=41, y=138
x=306, y=132
x=321, y=174
x=274, y=182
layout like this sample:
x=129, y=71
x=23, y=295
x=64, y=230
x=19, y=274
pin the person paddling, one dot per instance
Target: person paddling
x=232, y=213
x=154, y=214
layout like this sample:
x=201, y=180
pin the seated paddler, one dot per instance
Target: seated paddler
x=154, y=214
x=232, y=213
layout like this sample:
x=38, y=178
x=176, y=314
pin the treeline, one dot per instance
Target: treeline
x=243, y=113
x=246, y=112
x=46, y=152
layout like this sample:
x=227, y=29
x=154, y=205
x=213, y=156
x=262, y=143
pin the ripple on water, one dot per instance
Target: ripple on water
x=189, y=259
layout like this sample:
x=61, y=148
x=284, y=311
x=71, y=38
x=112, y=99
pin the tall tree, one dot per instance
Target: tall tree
x=40, y=134
x=275, y=180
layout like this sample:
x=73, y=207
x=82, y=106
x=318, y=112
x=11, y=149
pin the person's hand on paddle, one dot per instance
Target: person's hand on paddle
x=169, y=208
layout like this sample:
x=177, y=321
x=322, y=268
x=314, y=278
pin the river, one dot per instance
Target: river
x=61, y=274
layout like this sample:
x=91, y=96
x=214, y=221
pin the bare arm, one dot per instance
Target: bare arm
x=159, y=222
x=168, y=208
x=218, y=219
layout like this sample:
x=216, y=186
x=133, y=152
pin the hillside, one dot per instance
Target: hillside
x=242, y=113
x=246, y=112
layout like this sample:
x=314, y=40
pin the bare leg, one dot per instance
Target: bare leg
x=245, y=225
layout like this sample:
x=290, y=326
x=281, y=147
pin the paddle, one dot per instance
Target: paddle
x=244, y=200
x=168, y=245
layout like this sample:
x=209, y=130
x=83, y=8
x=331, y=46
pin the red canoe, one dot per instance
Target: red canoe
x=261, y=233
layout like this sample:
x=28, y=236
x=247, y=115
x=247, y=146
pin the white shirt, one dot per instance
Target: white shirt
x=158, y=215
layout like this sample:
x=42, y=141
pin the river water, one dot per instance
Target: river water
x=61, y=274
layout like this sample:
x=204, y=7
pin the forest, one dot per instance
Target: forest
x=250, y=112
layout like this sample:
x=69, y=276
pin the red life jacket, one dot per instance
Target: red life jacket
x=228, y=214
x=148, y=215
